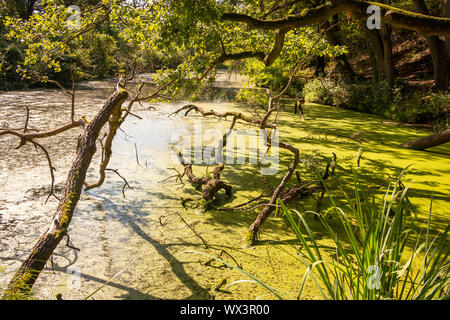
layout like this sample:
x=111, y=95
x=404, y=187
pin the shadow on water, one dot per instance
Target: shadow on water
x=177, y=267
x=325, y=130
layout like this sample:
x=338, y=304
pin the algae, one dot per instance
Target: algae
x=111, y=230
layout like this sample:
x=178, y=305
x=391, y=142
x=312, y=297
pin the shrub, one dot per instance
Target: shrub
x=431, y=109
x=10, y=57
x=327, y=91
x=253, y=97
x=315, y=91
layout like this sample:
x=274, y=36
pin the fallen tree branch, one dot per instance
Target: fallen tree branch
x=254, y=229
x=106, y=150
x=435, y=139
x=252, y=233
x=211, y=186
x=242, y=205
x=28, y=137
x=25, y=277
x=236, y=115
x=45, y=134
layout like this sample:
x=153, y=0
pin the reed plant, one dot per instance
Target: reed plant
x=381, y=250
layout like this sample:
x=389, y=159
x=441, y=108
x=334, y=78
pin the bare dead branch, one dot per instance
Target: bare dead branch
x=23, y=140
x=192, y=229
x=126, y=184
x=25, y=127
x=157, y=92
x=68, y=243
x=237, y=115
x=72, y=109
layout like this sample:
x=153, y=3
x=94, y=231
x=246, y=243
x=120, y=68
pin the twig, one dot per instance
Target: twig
x=115, y=276
x=126, y=184
x=136, y=153
x=72, y=110
x=157, y=92
x=23, y=140
x=68, y=243
x=239, y=206
x=219, y=255
x=25, y=127
x=193, y=230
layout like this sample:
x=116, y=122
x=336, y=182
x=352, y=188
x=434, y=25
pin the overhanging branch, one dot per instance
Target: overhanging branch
x=423, y=24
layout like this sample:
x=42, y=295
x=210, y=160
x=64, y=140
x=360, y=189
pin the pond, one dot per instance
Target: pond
x=137, y=247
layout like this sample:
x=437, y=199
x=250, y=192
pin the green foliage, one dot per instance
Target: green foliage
x=398, y=103
x=11, y=56
x=433, y=109
x=274, y=77
x=326, y=91
x=316, y=91
x=253, y=97
x=296, y=46
x=377, y=98
x=101, y=51
x=180, y=40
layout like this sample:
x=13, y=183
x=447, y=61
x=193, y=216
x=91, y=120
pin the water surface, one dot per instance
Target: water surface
x=139, y=243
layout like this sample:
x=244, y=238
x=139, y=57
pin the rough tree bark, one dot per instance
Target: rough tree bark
x=253, y=231
x=211, y=185
x=113, y=126
x=319, y=66
x=30, y=269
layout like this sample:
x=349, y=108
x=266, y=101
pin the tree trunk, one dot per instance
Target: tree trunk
x=388, y=62
x=373, y=61
x=429, y=141
x=438, y=50
x=440, y=63
x=30, y=269
x=320, y=66
x=319, y=63
x=375, y=44
x=114, y=123
x=446, y=14
x=344, y=67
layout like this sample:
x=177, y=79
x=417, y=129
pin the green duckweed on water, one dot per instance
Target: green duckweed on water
x=324, y=132
x=143, y=250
